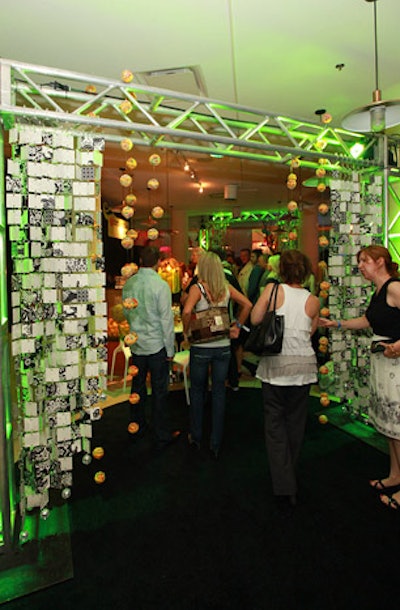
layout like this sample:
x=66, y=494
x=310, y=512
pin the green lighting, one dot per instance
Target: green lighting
x=253, y=215
x=204, y=239
x=356, y=150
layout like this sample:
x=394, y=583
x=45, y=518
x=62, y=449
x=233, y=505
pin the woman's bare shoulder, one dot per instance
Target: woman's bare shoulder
x=313, y=304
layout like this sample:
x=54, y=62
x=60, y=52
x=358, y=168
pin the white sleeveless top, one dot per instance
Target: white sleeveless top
x=297, y=363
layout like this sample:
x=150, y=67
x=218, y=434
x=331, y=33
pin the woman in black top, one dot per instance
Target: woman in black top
x=383, y=316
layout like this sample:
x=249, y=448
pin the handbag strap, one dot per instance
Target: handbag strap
x=273, y=295
x=204, y=293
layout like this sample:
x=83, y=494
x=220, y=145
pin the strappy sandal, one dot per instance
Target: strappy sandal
x=390, y=501
x=377, y=484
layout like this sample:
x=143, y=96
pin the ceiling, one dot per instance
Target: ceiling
x=286, y=57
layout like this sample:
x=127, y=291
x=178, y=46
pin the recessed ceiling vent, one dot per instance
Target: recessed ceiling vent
x=230, y=192
x=187, y=79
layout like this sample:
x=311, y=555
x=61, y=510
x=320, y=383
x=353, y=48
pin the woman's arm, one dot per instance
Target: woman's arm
x=243, y=302
x=193, y=296
x=352, y=324
x=312, y=310
x=393, y=294
x=259, y=309
x=245, y=308
x=393, y=299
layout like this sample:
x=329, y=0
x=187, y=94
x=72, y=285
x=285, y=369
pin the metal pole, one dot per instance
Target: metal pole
x=385, y=224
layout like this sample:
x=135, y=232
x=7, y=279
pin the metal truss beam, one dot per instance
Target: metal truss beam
x=393, y=221
x=263, y=216
x=168, y=119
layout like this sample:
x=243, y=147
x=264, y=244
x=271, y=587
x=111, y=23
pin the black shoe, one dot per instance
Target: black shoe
x=193, y=445
x=286, y=504
x=214, y=453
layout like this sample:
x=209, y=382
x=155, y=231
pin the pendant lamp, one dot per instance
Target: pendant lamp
x=380, y=114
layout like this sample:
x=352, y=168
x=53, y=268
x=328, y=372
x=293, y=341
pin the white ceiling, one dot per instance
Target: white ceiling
x=277, y=56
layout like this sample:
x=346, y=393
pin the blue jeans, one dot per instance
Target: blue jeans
x=158, y=366
x=200, y=360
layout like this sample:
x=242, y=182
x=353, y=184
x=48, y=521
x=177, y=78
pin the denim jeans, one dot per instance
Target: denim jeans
x=158, y=366
x=201, y=358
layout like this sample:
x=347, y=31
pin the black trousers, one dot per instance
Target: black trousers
x=285, y=415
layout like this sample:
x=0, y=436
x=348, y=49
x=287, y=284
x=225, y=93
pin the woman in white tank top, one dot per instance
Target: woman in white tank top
x=286, y=377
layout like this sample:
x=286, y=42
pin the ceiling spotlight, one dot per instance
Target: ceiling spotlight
x=356, y=150
x=378, y=115
x=186, y=167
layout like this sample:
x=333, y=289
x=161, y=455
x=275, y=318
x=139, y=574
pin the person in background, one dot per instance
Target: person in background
x=253, y=293
x=214, y=354
x=271, y=273
x=195, y=253
x=243, y=279
x=383, y=316
x=286, y=377
x=256, y=274
x=151, y=321
x=230, y=258
x=245, y=270
x=233, y=374
x=310, y=284
x=190, y=279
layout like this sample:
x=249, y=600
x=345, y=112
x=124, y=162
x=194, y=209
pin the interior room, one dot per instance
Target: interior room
x=227, y=126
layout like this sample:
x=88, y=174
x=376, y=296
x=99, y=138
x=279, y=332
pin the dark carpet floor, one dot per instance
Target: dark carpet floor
x=178, y=531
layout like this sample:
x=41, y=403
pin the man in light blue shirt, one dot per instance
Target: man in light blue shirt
x=153, y=323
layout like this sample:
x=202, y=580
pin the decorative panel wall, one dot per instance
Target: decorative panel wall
x=57, y=302
x=357, y=218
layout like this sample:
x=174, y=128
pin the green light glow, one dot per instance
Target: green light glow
x=3, y=265
x=255, y=215
x=204, y=239
x=394, y=218
x=356, y=150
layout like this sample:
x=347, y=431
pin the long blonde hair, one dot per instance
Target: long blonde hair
x=211, y=271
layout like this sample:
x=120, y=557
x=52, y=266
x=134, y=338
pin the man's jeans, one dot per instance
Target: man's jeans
x=158, y=366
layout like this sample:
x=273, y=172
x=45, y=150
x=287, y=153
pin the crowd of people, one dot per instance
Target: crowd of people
x=242, y=288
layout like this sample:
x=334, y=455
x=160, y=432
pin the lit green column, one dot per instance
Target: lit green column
x=7, y=499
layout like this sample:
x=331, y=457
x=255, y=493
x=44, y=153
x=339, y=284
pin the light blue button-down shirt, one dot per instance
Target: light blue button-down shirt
x=152, y=319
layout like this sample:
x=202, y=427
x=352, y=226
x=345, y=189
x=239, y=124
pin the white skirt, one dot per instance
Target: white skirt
x=384, y=408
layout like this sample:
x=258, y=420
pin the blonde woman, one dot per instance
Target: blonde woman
x=215, y=354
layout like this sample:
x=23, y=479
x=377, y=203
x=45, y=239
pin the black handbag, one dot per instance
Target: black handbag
x=265, y=339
